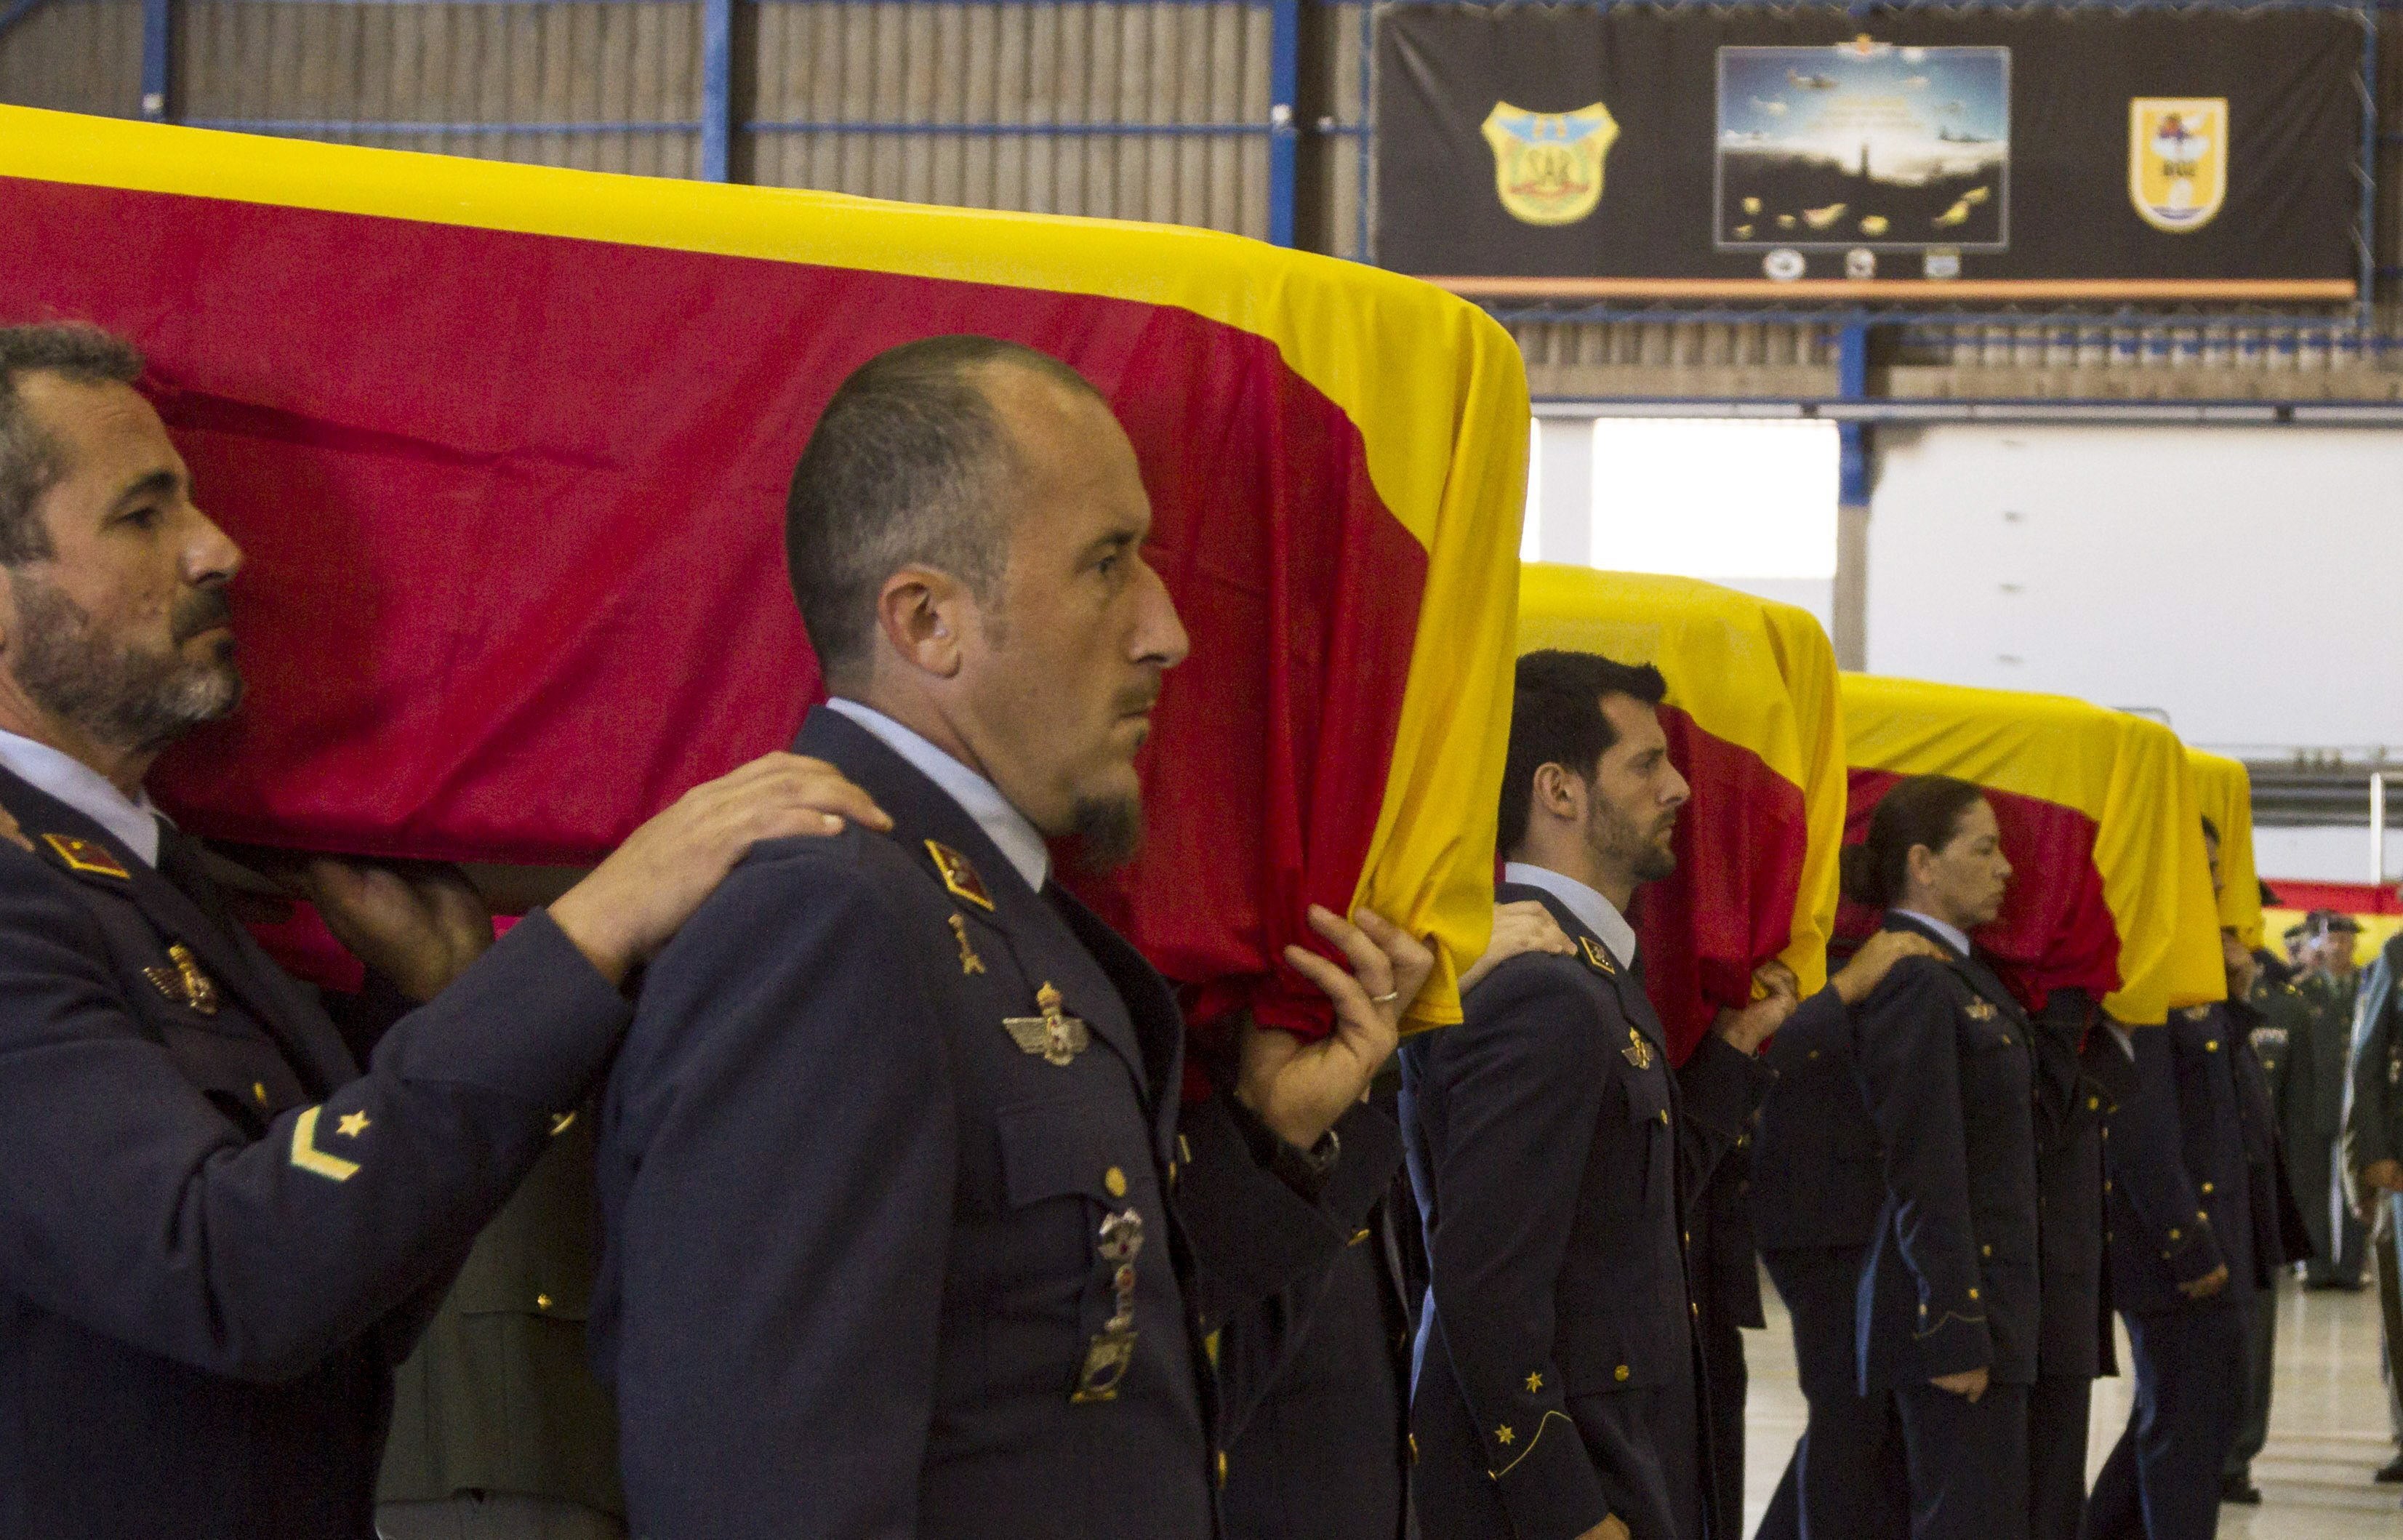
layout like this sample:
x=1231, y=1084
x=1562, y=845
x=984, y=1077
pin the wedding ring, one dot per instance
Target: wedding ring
x=1386, y=999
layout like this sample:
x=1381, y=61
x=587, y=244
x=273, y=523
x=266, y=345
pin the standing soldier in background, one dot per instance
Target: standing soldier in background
x=2373, y=1151
x=2319, y=1059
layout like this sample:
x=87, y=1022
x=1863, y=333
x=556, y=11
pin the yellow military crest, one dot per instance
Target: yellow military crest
x=1548, y=165
x=2177, y=159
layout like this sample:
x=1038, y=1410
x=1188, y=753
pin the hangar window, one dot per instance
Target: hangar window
x=1714, y=497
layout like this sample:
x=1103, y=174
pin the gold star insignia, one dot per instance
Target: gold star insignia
x=1534, y=1383
x=351, y=1125
x=1503, y=1433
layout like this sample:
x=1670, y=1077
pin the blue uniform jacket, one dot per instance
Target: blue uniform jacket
x=2180, y=1194
x=216, y=1236
x=886, y=1176
x=1556, y=1155
x=1951, y=1281
x=1818, y=1176
x=2077, y=1071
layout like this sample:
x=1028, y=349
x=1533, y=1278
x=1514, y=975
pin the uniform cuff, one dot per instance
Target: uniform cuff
x=1722, y=1085
x=532, y=1019
x=2194, y=1253
x=1954, y=1342
x=1546, y=1479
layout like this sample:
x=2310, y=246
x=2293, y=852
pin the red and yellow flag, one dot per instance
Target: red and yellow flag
x=2223, y=789
x=2100, y=820
x=1754, y=727
x=508, y=447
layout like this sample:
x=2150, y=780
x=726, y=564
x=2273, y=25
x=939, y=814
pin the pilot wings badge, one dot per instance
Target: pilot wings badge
x=2177, y=159
x=1056, y=1036
x=1548, y=165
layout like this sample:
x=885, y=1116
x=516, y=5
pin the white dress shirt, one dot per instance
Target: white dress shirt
x=1601, y=916
x=1019, y=842
x=133, y=820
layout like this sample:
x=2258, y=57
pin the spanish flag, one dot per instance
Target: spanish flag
x=508, y=448
x=2224, y=791
x=1754, y=727
x=2110, y=891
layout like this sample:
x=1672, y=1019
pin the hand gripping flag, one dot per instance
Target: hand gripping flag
x=1754, y=727
x=2110, y=891
x=508, y=448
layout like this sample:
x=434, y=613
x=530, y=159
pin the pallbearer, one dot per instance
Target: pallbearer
x=1555, y=1154
x=1949, y=1299
x=2182, y=1267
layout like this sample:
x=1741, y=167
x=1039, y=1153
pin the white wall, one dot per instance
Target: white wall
x=2247, y=581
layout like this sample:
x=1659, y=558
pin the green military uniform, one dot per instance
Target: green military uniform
x=2318, y=1066
x=499, y=1426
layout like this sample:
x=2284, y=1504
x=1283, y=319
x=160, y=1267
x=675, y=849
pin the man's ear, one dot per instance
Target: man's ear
x=1557, y=791
x=924, y=614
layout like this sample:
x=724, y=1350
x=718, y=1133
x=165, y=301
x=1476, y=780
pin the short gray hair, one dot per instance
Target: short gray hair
x=31, y=460
x=904, y=468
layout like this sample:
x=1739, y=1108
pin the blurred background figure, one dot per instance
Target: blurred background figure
x=2373, y=1157
x=2318, y=1055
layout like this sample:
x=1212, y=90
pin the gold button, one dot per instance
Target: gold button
x=1222, y=1467
x=1665, y=1115
x=2211, y=1045
x=542, y=1301
x=1359, y=1236
x=1973, y=1294
x=1114, y=1180
x=2207, y=1187
x=2092, y=1102
x=1985, y=1251
x=2175, y=1234
x=2106, y=1184
x=1619, y=1373
x=1812, y=1054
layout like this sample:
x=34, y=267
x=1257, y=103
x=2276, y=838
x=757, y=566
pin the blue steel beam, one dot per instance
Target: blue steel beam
x=157, y=49
x=1852, y=384
x=717, y=88
x=16, y=13
x=1284, y=135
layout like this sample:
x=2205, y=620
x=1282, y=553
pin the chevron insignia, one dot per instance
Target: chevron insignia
x=308, y=1157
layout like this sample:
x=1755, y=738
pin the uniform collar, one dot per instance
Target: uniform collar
x=1599, y=914
x=1020, y=843
x=133, y=821
x=1951, y=935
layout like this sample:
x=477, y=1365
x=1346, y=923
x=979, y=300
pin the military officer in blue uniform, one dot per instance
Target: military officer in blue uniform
x=1557, y=1156
x=1949, y=1298
x=2076, y=1071
x=1324, y=1453
x=1817, y=1188
x=2280, y=1235
x=2181, y=1242
x=218, y=1234
x=906, y=1230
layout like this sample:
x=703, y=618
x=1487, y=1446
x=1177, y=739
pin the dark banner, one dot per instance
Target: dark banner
x=2187, y=148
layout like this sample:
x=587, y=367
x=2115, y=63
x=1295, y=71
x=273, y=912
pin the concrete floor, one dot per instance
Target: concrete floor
x=2327, y=1424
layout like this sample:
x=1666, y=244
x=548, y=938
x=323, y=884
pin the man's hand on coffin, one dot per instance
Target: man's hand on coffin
x=1299, y=1090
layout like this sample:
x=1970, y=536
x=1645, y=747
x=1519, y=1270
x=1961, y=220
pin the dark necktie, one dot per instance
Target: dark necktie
x=185, y=865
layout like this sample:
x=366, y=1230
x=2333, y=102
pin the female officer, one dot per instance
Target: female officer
x=1948, y=1293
